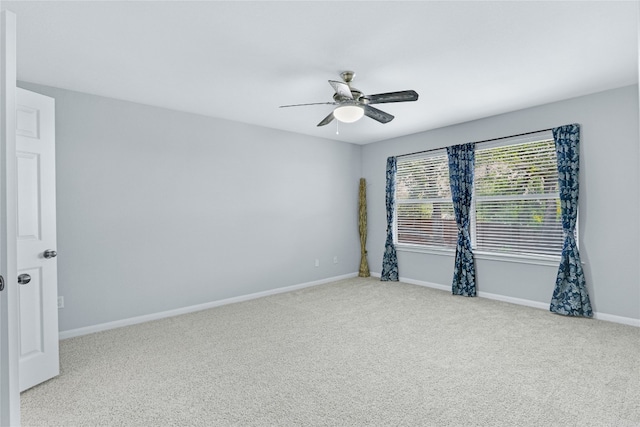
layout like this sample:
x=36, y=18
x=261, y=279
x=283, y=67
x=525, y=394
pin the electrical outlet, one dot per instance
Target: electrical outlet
x=335, y=259
x=317, y=262
x=60, y=302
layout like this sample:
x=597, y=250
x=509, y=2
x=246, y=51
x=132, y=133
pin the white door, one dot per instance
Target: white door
x=36, y=238
x=9, y=393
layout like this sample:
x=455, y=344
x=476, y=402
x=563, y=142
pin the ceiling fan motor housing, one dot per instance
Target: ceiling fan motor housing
x=357, y=96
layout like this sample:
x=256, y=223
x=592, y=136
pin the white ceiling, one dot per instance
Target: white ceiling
x=241, y=60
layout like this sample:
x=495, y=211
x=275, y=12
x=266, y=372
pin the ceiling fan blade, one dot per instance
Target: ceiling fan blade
x=326, y=120
x=341, y=89
x=402, y=96
x=376, y=114
x=313, y=103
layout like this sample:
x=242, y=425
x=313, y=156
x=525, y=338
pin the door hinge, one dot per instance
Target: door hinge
x=1, y=283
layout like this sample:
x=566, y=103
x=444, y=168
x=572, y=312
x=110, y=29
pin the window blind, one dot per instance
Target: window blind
x=517, y=206
x=424, y=208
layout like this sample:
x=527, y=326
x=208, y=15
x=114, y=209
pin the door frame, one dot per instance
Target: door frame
x=9, y=380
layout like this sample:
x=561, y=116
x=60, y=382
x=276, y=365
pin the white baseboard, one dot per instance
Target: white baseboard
x=617, y=319
x=184, y=310
x=513, y=300
x=520, y=301
x=426, y=284
x=419, y=283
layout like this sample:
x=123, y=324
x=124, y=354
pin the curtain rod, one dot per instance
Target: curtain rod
x=478, y=142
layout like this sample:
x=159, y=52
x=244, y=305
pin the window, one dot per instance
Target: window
x=516, y=206
x=424, y=208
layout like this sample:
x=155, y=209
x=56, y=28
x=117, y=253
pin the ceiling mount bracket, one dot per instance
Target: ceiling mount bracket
x=348, y=76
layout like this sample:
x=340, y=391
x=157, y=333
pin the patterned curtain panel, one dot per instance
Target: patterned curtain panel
x=390, y=258
x=461, y=165
x=570, y=296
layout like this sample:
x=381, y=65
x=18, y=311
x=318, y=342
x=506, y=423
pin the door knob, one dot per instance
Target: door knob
x=50, y=253
x=23, y=279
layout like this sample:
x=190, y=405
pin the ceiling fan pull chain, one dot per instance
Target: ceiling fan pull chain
x=337, y=125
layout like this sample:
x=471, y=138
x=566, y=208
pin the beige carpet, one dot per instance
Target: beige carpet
x=358, y=352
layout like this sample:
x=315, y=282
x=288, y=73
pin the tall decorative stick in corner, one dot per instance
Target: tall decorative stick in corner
x=362, y=227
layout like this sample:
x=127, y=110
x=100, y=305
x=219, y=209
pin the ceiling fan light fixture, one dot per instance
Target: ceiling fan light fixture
x=348, y=113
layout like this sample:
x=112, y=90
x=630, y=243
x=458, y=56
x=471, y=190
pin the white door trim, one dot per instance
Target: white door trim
x=9, y=379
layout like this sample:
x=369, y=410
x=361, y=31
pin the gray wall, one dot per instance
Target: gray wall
x=609, y=201
x=159, y=210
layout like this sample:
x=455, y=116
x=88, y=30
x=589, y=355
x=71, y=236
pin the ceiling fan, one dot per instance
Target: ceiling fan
x=352, y=104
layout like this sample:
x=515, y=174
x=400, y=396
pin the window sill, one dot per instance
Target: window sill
x=404, y=247
x=547, y=261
